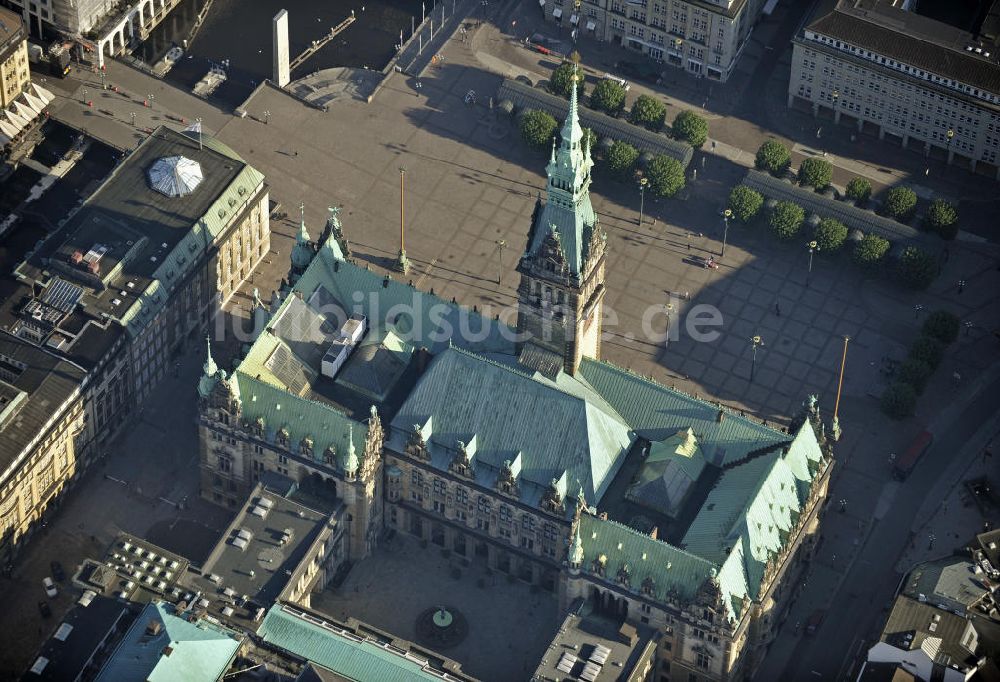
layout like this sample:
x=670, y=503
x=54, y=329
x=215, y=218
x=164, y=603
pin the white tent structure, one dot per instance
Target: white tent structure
x=175, y=176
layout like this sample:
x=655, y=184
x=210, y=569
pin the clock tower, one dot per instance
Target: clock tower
x=562, y=270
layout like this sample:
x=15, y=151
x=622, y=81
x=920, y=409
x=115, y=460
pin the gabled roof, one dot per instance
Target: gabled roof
x=754, y=507
x=426, y=320
x=181, y=650
x=669, y=470
x=303, y=418
x=510, y=412
x=656, y=412
x=670, y=568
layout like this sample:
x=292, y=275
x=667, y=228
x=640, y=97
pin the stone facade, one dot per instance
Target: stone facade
x=883, y=96
x=13, y=58
x=45, y=464
x=703, y=38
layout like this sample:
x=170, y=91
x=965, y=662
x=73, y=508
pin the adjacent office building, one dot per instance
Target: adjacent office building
x=133, y=275
x=927, y=85
x=703, y=37
x=13, y=57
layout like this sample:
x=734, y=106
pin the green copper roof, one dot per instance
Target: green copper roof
x=199, y=650
x=568, y=214
x=671, y=569
x=755, y=506
x=344, y=653
x=420, y=318
x=670, y=469
x=302, y=418
x=209, y=370
x=657, y=412
x=510, y=412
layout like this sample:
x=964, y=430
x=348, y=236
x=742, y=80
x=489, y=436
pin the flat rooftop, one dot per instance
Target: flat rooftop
x=589, y=647
x=134, y=569
x=115, y=243
x=34, y=384
x=254, y=559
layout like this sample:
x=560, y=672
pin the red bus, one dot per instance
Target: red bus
x=905, y=464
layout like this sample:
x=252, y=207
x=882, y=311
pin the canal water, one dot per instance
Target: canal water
x=239, y=32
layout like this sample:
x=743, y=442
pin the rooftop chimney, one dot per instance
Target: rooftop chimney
x=153, y=627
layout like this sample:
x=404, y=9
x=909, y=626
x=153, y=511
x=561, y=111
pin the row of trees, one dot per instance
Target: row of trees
x=926, y=353
x=664, y=174
x=915, y=267
x=900, y=202
x=609, y=96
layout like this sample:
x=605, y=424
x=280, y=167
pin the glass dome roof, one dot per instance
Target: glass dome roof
x=175, y=176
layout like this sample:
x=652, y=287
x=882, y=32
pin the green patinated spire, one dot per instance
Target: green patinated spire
x=576, y=548
x=211, y=370
x=351, y=458
x=568, y=214
x=302, y=252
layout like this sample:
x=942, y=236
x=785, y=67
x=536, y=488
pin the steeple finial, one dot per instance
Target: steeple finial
x=210, y=367
x=576, y=548
x=211, y=371
x=552, y=157
x=351, y=459
x=303, y=236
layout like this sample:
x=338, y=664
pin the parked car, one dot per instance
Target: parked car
x=57, y=571
x=812, y=625
x=50, y=587
x=43, y=608
x=640, y=71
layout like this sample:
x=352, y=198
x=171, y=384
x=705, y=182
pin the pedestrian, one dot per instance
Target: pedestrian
x=689, y=240
x=961, y=286
x=777, y=309
x=296, y=152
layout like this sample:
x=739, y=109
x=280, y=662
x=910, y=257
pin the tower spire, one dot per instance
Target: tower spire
x=571, y=131
x=351, y=459
x=207, y=381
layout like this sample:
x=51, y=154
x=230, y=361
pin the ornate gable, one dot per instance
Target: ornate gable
x=461, y=463
x=372, y=455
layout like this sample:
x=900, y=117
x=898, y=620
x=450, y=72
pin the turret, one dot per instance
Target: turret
x=210, y=372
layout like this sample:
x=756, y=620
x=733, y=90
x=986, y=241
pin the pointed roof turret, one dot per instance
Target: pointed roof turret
x=351, y=458
x=302, y=252
x=568, y=215
x=576, y=548
x=210, y=371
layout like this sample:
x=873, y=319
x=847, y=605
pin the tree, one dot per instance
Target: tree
x=859, y=189
x=943, y=219
x=941, y=325
x=537, y=128
x=915, y=373
x=899, y=400
x=745, y=203
x=691, y=128
x=589, y=139
x=608, y=96
x=666, y=176
x=786, y=219
x=773, y=157
x=561, y=82
x=900, y=202
x=815, y=173
x=870, y=250
x=830, y=235
x=621, y=159
x=928, y=350
x=916, y=268
x=648, y=111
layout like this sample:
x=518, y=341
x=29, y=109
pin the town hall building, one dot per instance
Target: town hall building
x=523, y=450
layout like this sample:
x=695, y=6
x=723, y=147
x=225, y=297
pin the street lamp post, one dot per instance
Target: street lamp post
x=950, y=134
x=836, y=112
x=670, y=309
x=756, y=342
x=402, y=264
x=968, y=327
x=843, y=505
x=85, y=93
x=726, y=215
x=835, y=428
x=813, y=248
x=151, y=100
x=501, y=244
x=642, y=197
x=132, y=115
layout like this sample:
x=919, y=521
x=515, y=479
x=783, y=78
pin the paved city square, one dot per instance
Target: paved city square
x=510, y=623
